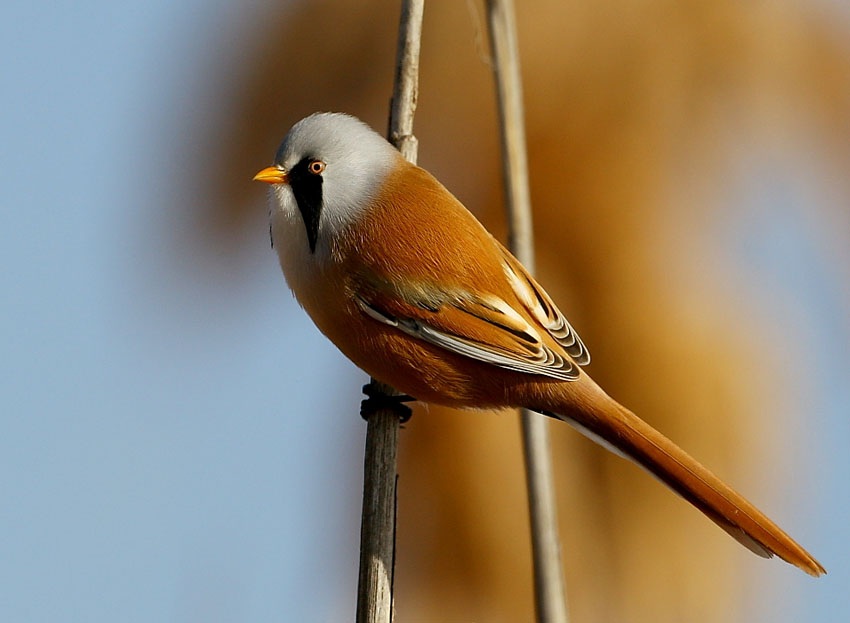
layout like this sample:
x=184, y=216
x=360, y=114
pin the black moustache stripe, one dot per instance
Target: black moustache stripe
x=307, y=188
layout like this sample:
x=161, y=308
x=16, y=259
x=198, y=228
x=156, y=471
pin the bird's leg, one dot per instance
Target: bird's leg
x=377, y=398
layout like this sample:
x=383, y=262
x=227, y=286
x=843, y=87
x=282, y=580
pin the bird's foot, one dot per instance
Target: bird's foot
x=378, y=399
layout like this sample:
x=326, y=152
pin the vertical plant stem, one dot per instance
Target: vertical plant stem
x=378, y=522
x=406, y=85
x=377, y=527
x=549, y=588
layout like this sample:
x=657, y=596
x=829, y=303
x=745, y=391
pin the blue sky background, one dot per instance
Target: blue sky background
x=150, y=468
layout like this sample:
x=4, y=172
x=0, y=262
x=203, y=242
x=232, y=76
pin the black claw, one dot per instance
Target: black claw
x=377, y=399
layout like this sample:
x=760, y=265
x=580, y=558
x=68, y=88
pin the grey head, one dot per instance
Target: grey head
x=334, y=165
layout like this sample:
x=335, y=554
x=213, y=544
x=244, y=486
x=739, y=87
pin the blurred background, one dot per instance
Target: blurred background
x=178, y=443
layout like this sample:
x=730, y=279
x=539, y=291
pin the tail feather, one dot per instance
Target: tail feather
x=620, y=430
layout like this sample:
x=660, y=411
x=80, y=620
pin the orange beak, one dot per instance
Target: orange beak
x=272, y=175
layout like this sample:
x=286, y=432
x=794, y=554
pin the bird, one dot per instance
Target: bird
x=412, y=288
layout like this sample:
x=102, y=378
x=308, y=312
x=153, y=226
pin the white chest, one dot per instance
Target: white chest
x=300, y=266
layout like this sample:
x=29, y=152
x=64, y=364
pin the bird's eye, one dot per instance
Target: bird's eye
x=316, y=167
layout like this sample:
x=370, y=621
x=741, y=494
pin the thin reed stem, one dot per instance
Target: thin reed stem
x=549, y=586
x=380, y=471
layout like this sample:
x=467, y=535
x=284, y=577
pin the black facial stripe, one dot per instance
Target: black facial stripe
x=307, y=188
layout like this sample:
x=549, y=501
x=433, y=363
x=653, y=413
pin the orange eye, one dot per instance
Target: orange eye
x=316, y=167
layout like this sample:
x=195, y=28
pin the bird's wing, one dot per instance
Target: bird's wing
x=542, y=309
x=482, y=327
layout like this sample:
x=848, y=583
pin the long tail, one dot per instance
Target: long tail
x=609, y=423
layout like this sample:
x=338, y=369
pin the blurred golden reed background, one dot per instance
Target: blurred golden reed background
x=640, y=117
